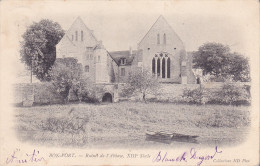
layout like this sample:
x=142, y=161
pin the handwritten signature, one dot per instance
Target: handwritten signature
x=33, y=157
x=185, y=156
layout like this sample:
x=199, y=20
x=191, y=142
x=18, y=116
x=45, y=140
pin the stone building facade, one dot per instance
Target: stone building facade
x=160, y=50
x=79, y=42
x=164, y=53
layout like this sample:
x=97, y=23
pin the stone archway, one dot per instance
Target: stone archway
x=107, y=97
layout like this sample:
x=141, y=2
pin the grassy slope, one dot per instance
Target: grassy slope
x=124, y=124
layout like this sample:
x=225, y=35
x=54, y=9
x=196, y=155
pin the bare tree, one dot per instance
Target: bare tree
x=141, y=81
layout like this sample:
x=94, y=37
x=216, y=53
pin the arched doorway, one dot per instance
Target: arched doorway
x=107, y=98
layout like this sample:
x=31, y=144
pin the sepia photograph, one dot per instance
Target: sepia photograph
x=132, y=83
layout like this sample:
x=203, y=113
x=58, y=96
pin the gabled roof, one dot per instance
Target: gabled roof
x=97, y=46
x=118, y=55
x=78, y=19
x=164, y=20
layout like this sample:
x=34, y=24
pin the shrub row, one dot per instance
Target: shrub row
x=228, y=94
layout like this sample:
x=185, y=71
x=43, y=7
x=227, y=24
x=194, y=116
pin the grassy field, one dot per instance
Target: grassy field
x=124, y=124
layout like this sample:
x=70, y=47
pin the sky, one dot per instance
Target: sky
x=122, y=24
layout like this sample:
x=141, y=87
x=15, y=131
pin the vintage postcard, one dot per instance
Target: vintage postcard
x=129, y=82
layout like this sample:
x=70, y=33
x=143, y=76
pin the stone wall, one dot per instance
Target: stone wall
x=22, y=92
x=172, y=92
x=107, y=88
x=42, y=93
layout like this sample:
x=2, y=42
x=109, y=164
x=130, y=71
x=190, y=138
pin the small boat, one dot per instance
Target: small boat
x=167, y=137
x=159, y=135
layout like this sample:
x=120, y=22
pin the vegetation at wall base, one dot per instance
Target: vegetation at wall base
x=228, y=94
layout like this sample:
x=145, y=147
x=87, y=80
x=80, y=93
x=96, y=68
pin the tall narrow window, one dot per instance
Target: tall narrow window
x=168, y=68
x=163, y=68
x=122, y=71
x=76, y=35
x=153, y=65
x=164, y=38
x=87, y=68
x=98, y=58
x=158, y=66
x=81, y=35
x=72, y=37
x=123, y=61
x=158, y=38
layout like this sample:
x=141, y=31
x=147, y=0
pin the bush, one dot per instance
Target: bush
x=220, y=118
x=233, y=95
x=89, y=91
x=72, y=124
x=195, y=96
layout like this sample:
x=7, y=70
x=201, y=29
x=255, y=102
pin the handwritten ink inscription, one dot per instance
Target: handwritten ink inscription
x=186, y=156
x=17, y=157
x=33, y=157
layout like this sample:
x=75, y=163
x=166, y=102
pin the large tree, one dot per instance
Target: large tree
x=38, y=49
x=141, y=81
x=217, y=60
x=237, y=68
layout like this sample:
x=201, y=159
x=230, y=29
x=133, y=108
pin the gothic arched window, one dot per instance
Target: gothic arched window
x=163, y=68
x=158, y=66
x=158, y=38
x=168, y=68
x=153, y=65
x=164, y=38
